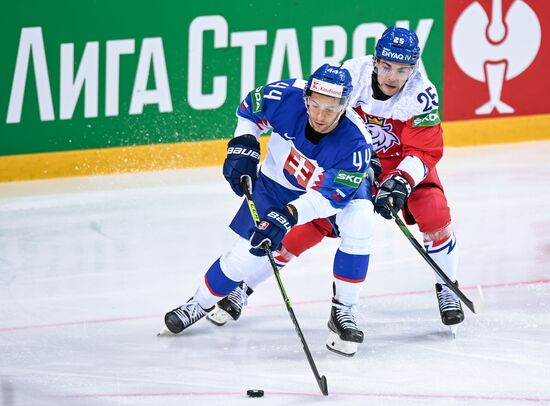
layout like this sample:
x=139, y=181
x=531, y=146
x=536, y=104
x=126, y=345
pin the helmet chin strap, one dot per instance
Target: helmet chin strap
x=338, y=117
x=413, y=70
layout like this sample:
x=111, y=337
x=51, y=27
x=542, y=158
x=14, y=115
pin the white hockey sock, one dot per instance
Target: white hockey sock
x=347, y=293
x=256, y=278
x=204, y=297
x=237, y=264
x=444, y=252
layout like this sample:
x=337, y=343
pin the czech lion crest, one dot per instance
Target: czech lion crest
x=382, y=136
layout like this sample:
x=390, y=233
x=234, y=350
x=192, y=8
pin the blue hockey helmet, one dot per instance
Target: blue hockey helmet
x=330, y=81
x=398, y=44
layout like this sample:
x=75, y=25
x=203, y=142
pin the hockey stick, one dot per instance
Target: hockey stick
x=321, y=380
x=431, y=262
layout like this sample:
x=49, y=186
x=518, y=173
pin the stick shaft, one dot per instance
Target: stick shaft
x=431, y=262
x=321, y=380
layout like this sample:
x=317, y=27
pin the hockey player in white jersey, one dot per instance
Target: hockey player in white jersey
x=399, y=106
x=318, y=154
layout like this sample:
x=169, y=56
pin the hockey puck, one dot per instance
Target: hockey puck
x=255, y=393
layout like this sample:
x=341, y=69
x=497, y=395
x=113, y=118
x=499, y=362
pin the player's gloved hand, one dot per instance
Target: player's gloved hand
x=271, y=229
x=393, y=192
x=243, y=156
x=375, y=170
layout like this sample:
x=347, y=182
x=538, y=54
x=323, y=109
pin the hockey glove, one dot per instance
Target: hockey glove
x=243, y=156
x=393, y=192
x=272, y=229
x=375, y=170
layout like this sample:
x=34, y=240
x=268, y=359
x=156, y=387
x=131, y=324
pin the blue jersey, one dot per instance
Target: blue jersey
x=318, y=179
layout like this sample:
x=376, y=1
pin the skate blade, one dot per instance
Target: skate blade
x=453, y=329
x=480, y=302
x=164, y=332
x=218, y=316
x=339, y=346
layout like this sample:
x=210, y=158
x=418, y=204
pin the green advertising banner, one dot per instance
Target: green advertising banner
x=99, y=74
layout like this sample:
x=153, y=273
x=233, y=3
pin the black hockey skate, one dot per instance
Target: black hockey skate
x=231, y=306
x=450, y=308
x=344, y=334
x=182, y=317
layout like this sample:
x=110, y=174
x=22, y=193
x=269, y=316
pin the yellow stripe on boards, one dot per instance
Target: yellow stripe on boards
x=212, y=153
x=115, y=160
x=496, y=130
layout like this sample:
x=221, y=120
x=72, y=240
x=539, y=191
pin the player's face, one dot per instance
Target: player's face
x=392, y=75
x=324, y=112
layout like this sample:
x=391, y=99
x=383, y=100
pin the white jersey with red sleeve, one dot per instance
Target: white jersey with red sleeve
x=405, y=128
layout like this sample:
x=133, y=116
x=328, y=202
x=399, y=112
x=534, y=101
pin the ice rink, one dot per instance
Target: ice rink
x=89, y=266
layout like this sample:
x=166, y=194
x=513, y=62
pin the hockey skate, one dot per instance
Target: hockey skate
x=450, y=308
x=230, y=307
x=344, y=334
x=182, y=317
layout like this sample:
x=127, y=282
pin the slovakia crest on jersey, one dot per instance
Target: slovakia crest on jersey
x=298, y=169
x=382, y=136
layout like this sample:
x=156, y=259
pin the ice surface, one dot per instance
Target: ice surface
x=89, y=266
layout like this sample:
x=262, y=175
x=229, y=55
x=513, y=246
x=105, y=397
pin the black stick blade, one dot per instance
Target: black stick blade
x=323, y=385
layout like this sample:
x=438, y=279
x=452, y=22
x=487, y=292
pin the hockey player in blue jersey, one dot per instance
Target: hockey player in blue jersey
x=317, y=159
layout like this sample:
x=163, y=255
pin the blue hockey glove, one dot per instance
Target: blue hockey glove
x=243, y=156
x=393, y=192
x=272, y=229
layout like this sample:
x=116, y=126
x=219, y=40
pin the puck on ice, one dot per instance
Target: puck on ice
x=255, y=393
